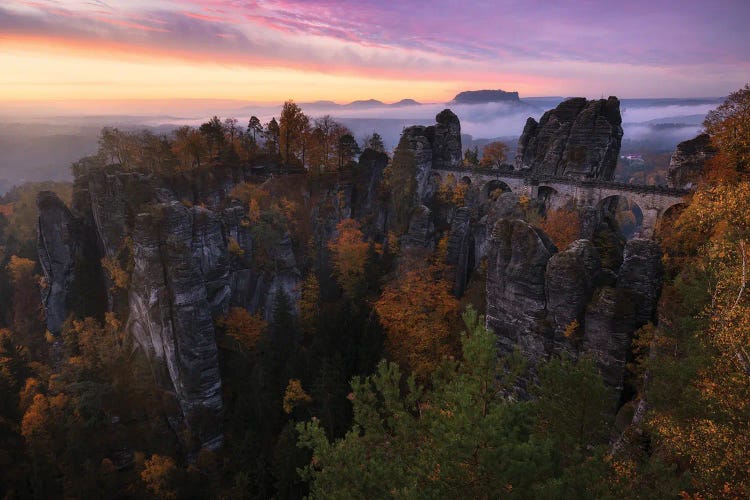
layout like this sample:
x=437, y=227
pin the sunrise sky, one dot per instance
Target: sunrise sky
x=271, y=50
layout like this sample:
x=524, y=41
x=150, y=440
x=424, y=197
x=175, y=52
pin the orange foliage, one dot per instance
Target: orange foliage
x=309, y=307
x=159, y=476
x=349, y=257
x=494, y=154
x=562, y=226
x=294, y=395
x=416, y=310
x=6, y=210
x=243, y=327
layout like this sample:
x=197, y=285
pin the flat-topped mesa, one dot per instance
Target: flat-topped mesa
x=686, y=164
x=485, y=96
x=579, y=139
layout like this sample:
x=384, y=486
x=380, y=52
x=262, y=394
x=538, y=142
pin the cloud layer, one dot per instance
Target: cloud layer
x=636, y=48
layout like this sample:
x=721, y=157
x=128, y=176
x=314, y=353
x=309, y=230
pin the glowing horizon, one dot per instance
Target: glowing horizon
x=267, y=51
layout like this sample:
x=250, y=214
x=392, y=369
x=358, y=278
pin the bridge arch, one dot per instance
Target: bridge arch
x=630, y=217
x=466, y=180
x=492, y=187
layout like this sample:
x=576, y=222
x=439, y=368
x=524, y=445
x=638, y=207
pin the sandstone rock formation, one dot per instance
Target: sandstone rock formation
x=516, y=301
x=579, y=139
x=547, y=303
x=687, y=162
x=436, y=146
x=59, y=249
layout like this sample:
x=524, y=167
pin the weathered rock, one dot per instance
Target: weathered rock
x=461, y=252
x=579, y=139
x=59, y=239
x=615, y=313
x=570, y=279
x=446, y=145
x=641, y=273
x=436, y=146
x=170, y=313
x=419, y=141
x=516, y=302
x=687, y=162
x=421, y=232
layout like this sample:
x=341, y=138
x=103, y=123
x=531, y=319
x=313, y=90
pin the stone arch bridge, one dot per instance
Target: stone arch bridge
x=556, y=192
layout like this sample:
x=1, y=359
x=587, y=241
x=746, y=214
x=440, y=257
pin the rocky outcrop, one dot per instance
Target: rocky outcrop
x=188, y=261
x=421, y=232
x=461, y=249
x=59, y=240
x=547, y=303
x=436, y=146
x=570, y=278
x=516, y=300
x=446, y=144
x=686, y=164
x=579, y=139
x=170, y=308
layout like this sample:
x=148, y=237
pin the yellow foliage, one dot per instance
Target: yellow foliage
x=571, y=331
x=235, y=248
x=349, y=257
x=118, y=276
x=159, y=476
x=294, y=395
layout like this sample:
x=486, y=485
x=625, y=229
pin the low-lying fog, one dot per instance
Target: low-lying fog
x=37, y=146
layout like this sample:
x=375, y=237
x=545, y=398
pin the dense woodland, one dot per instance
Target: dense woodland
x=384, y=385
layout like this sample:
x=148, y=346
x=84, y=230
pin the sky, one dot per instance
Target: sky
x=267, y=51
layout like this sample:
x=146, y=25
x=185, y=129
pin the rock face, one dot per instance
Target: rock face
x=570, y=278
x=421, y=232
x=436, y=146
x=191, y=251
x=579, y=139
x=446, y=145
x=516, y=300
x=687, y=162
x=59, y=250
x=461, y=253
x=547, y=303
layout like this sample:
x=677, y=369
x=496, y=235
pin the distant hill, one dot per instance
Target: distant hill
x=485, y=96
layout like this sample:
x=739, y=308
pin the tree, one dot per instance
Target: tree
x=494, y=154
x=214, y=134
x=349, y=258
x=190, y=147
x=292, y=126
x=729, y=128
x=563, y=226
x=254, y=128
x=463, y=438
x=294, y=395
x=348, y=149
x=160, y=476
x=309, y=304
x=245, y=328
x=374, y=142
x=271, y=136
x=471, y=157
x=25, y=305
x=417, y=309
